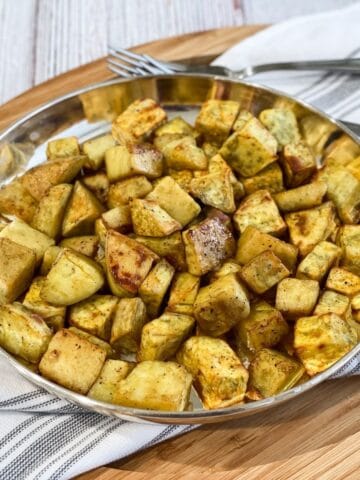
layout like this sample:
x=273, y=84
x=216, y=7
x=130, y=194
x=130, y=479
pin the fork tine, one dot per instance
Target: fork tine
x=118, y=71
x=126, y=53
x=136, y=63
x=124, y=58
x=159, y=65
x=122, y=66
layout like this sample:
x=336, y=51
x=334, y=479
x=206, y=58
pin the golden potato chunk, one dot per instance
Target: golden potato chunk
x=170, y=247
x=343, y=281
x=174, y=200
x=333, y=302
x=260, y=211
x=182, y=178
x=72, y=278
x=130, y=317
x=118, y=218
x=95, y=150
x=230, y=266
x=138, y=121
x=208, y=244
x=184, y=290
x=98, y=184
x=155, y=385
x=270, y=179
x=184, y=154
x=16, y=200
x=121, y=193
x=322, y=340
x=341, y=151
x=21, y=233
x=282, y=124
x=85, y=244
x=23, y=332
x=176, y=125
x=220, y=305
x=348, y=239
x=318, y=262
x=50, y=255
x=271, y=373
x=354, y=167
x=109, y=351
x=216, y=119
x=94, y=315
x=53, y=315
x=127, y=263
x=17, y=264
x=296, y=298
x=161, y=338
x=243, y=117
x=300, y=198
x=107, y=382
x=219, y=377
x=62, y=148
x=72, y=361
x=252, y=242
x=154, y=287
x=81, y=212
x=307, y=228
x=298, y=162
x=150, y=220
x=264, y=271
x=250, y=149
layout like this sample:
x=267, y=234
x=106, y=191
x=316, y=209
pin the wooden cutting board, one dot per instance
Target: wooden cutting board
x=316, y=437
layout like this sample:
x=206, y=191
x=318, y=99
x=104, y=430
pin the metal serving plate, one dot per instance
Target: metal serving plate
x=87, y=113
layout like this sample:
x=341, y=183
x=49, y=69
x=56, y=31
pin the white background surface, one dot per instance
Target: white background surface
x=42, y=38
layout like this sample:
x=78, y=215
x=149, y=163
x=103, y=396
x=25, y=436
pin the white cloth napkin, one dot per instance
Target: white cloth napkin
x=45, y=438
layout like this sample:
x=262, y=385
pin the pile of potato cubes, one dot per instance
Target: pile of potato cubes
x=164, y=256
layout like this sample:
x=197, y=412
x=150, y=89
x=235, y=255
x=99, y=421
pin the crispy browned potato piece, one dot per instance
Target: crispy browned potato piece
x=121, y=193
x=322, y=340
x=85, y=244
x=219, y=377
x=354, y=167
x=16, y=200
x=243, y=117
x=50, y=255
x=184, y=154
x=107, y=382
x=62, y=148
x=282, y=124
x=343, y=281
x=348, y=238
x=184, y=290
x=95, y=150
x=17, y=265
x=341, y=151
x=296, y=298
x=318, y=262
x=170, y=247
x=118, y=218
x=220, y=305
x=333, y=302
x=150, y=220
x=98, y=183
x=182, y=178
x=109, y=351
x=298, y=162
x=72, y=361
x=260, y=211
x=300, y=198
x=216, y=119
x=270, y=178
x=230, y=266
x=176, y=125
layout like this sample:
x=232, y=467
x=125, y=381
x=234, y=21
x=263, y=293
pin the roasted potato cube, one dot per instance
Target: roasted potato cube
x=355, y=302
x=184, y=154
x=17, y=264
x=53, y=315
x=207, y=245
x=62, y=148
x=264, y=271
x=81, y=212
x=130, y=317
x=182, y=178
x=349, y=240
x=209, y=149
x=184, y=209
x=118, y=218
x=216, y=119
x=50, y=255
x=95, y=150
x=72, y=361
x=343, y=188
x=109, y=351
x=343, y=281
x=21, y=233
x=72, y=278
x=219, y=377
x=300, y=198
x=155, y=385
x=23, y=332
x=298, y=162
x=50, y=211
x=98, y=184
x=176, y=125
x=263, y=328
x=282, y=124
x=230, y=266
x=150, y=220
x=220, y=305
x=270, y=179
x=252, y=242
x=121, y=193
x=170, y=247
x=94, y=315
x=86, y=244
x=40, y=179
x=250, y=149
x=271, y=373
x=296, y=298
x=318, y=262
x=16, y=200
x=162, y=141
x=316, y=132
x=307, y=228
x=183, y=293
x=127, y=263
x=354, y=167
x=333, y=302
x=138, y=121
x=161, y=338
x=341, y=151
x=107, y=382
x=154, y=287
x=321, y=340
x=260, y=211
x=243, y=117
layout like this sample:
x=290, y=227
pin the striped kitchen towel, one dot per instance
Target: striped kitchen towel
x=45, y=438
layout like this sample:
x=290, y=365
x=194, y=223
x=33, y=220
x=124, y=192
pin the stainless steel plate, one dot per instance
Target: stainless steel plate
x=87, y=113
